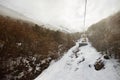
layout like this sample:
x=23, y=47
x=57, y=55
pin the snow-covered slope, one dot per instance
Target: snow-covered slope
x=67, y=13
x=4, y=11
x=79, y=64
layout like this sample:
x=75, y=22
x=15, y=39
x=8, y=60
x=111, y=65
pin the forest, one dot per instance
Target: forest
x=26, y=49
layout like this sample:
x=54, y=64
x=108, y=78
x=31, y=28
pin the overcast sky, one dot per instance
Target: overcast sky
x=67, y=13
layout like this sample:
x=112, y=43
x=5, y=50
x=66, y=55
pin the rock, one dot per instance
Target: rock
x=83, y=59
x=89, y=65
x=99, y=65
x=82, y=44
x=106, y=57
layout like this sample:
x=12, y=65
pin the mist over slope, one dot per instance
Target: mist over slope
x=4, y=11
x=65, y=13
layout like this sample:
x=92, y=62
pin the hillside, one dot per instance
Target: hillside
x=5, y=11
x=32, y=48
x=27, y=49
x=105, y=35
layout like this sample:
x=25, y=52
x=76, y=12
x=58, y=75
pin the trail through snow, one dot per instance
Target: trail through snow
x=78, y=64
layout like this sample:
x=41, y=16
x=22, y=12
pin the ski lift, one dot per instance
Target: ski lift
x=84, y=35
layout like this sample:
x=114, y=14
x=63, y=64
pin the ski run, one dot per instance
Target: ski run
x=79, y=64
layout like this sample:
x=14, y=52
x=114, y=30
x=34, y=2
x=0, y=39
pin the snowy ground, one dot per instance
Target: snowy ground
x=78, y=64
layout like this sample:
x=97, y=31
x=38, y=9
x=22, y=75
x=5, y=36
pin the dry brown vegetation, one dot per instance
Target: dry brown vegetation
x=105, y=35
x=24, y=47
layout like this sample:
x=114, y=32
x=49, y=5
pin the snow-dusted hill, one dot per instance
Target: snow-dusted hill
x=4, y=11
x=66, y=13
x=79, y=64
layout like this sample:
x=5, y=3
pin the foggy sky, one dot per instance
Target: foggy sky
x=67, y=13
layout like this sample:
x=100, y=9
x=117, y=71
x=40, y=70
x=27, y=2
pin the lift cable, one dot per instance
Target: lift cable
x=84, y=23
